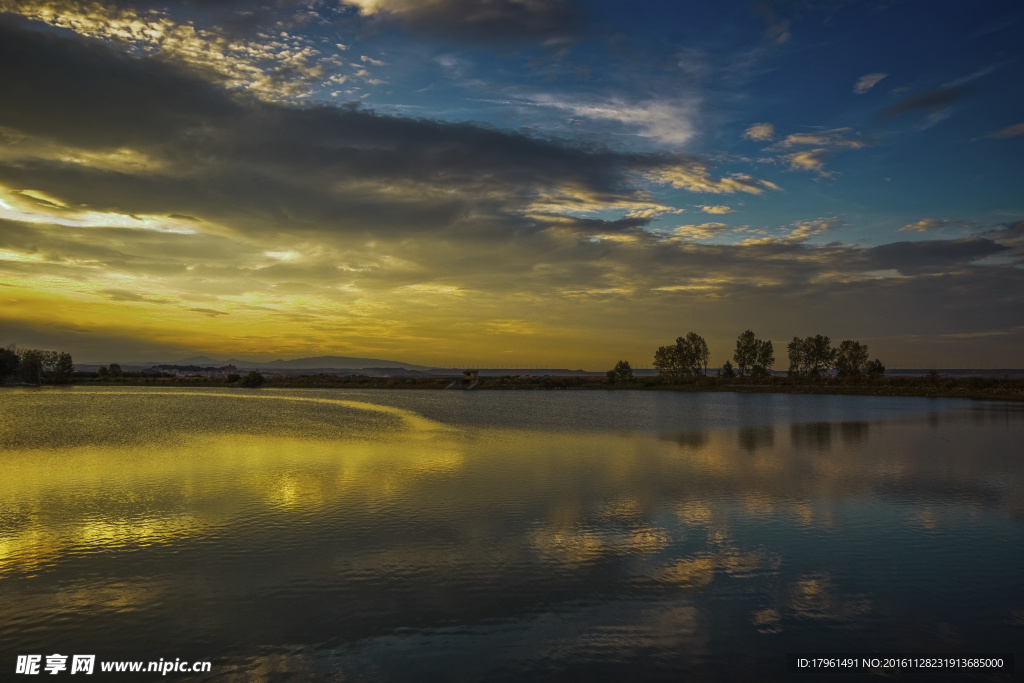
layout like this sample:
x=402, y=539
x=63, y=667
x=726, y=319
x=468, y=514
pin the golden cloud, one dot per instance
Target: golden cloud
x=760, y=131
x=696, y=178
x=809, y=160
x=271, y=66
x=699, y=232
x=926, y=224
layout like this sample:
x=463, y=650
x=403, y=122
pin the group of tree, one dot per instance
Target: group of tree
x=112, y=371
x=815, y=356
x=688, y=356
x=753, y=357
x=621, y=373
x=36, y=366
x=253, y=379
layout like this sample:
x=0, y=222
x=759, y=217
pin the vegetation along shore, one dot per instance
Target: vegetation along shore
x=816, y=367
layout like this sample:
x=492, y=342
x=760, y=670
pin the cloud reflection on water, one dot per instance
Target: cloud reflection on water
x=354, y=527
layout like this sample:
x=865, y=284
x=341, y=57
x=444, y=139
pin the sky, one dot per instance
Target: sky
x=511, y=183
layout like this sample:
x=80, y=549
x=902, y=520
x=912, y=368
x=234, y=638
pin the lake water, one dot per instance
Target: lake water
x=345, y=535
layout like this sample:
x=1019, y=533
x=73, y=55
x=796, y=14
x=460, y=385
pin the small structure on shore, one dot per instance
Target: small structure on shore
x=470, y=378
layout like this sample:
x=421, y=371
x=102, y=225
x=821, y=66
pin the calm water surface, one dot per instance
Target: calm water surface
x=358, y=535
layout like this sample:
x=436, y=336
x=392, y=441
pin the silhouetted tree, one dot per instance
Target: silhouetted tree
x=874, y=368
x=851, y=358
x=63, y=368
x=253, y=379
x=753, y=355
x=697, y=353
x=689, y=355
x=115, y=371
x=797, y=356
x=812, y=355
x=31, y=366
x=623, y=373
x=727, y=370
x=746, y=352
x=764, y=359
x=9, y=361
x=667, y=362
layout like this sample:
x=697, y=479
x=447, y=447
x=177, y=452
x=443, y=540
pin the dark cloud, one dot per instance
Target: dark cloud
x=933, y=256
x=490, y=22
x=85, y=94
x=119, y=100
x=930, y=100
x=208, y=311
x=127, y=295
x=89, y=344
x=223, y=157
x=1011, y=236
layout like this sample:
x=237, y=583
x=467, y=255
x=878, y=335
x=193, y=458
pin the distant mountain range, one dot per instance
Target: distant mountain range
x=372, y=367
x=315, y=363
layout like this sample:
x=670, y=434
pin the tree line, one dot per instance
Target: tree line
x=753, y=357
x=36, y=366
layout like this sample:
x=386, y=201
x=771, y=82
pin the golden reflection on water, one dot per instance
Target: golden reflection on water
x=165, y=491
x=104, y=498
x=815, y=597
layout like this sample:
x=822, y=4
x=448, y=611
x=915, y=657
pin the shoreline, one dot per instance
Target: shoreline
x=941, y=387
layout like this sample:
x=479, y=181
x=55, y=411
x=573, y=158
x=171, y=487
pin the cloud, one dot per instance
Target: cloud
x=699, y=232
x=931, y=101
x=485, y=22
x=964, y=80
x=716, y=209
x=935, y=256
x=836, y=138
x=776, y=28
x=395, y=224
x=760, y=131
x=652, y=212
x=926, y=224
x=696, y=177
x=667, y=122
x=1011, y=236
x=126, y=295
x=208, y=311
x=803, y=230
x=867, y=82
x=795, y=233
x=1009, y=132
x=243, y=55
x=825, y=144
x=207, y=150
x=809, y=160
x=41, y=72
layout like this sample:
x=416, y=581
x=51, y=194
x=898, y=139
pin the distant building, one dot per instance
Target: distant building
x=470, y=378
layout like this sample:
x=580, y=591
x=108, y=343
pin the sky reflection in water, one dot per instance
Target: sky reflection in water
x=451, y=536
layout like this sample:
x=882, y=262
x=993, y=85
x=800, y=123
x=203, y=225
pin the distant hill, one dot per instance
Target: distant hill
x=315, y=363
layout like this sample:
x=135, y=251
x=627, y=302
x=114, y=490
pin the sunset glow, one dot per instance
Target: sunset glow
x=514, y=183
